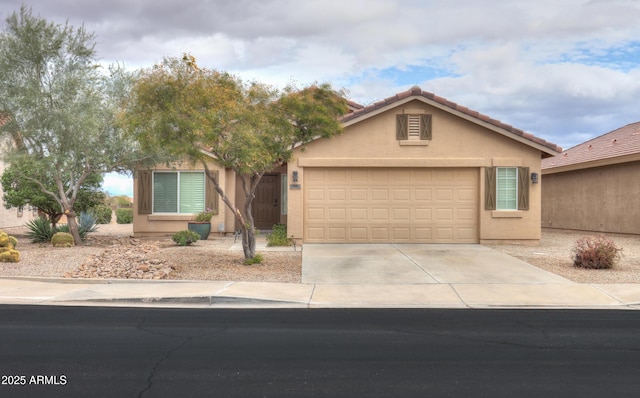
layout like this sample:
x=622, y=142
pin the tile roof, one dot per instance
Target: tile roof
x=617, y=143
x=418, y=92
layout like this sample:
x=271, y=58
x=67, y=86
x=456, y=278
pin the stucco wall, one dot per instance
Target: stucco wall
x=601, y=199
x=456, y=143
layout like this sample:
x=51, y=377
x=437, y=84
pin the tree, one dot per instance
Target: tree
x=21, y=192
x=198, y=114
x=61, y=108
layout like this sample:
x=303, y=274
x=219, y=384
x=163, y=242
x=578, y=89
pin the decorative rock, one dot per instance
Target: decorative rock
x=124, y=262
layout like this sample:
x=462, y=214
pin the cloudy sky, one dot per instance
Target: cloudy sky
x=564, y=70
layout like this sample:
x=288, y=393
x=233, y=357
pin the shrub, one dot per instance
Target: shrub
x=102, y=213
x=124, y=216
x=62, y=239
x=204, y=216
x=257, y=259
x=597, y=252
x=40, y=230
x=86, y=224
x=185, y=238
x=278, y=236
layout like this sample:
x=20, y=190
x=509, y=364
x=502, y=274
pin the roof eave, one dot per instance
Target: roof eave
x=591, y=164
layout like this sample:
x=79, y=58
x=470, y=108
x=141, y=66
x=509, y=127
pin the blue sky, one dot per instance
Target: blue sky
x=564, y=70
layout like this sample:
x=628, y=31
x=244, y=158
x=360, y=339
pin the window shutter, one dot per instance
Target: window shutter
x=144, y=191
x=425, y=127
x=402, y=127
x=523, y=188
x=490, y=188
x=211, y=196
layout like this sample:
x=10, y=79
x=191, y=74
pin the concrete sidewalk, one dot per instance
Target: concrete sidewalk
x=49, y=291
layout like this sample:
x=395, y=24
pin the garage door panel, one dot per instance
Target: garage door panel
x=391, y=205
x=444, y=195
x=358, y=194
x=337, y=194
x=380, y=194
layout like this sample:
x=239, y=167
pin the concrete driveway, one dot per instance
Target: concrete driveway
x=391, y=264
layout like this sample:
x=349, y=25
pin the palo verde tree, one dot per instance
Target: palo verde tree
x=60, y=106
x=200, y=114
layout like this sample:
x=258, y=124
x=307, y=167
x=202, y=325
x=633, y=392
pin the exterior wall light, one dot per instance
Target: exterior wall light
x=534, y=178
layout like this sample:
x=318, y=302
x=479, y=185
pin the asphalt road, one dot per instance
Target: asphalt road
x=117, y=352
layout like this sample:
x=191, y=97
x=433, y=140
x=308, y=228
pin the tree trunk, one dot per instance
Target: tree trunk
x=249, y=242
x=73, y=228
x=245, y=220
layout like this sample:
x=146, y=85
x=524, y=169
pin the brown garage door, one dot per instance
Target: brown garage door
x=391, y=205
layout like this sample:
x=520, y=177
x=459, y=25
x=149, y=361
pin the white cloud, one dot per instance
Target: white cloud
x=116, y=184
x=564, y=70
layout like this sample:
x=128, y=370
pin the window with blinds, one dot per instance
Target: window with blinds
x=178, y=192
x=507, y=188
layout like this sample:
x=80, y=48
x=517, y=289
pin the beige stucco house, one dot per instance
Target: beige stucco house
x=414, y=167
x=593, y=186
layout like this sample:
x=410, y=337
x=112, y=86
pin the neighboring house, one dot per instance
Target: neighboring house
x=594, y=186
x=411, y=168
x=13, y=217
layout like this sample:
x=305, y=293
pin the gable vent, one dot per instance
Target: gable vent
x=414, y=127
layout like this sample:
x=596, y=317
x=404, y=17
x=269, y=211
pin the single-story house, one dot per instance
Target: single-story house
x=594, y=186
x=413, y=168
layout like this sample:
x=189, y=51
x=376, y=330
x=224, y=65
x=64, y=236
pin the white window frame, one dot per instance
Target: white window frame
x=178, y=172
x=504, y=203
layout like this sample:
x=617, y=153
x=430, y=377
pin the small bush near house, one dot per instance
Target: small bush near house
x=257, y=259
x=185, y=238
x=124, y=216
x=597, y=252
x=102, y=213
x=278, y=236
x=40, y=230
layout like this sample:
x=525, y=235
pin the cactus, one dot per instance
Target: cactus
x=62, y=239
x=7, y=248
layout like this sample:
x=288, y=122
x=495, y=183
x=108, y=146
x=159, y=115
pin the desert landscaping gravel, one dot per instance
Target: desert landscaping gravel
x=112, y=252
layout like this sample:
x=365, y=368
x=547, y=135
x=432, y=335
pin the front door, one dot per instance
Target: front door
x=266, y=205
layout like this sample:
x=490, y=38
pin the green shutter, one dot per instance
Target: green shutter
x=144, y=191
x=165, y=192
x=191, y=192
x=402, y=127
x=490, y=188
x=523, y=188
x=425, y=127
x=211, y=196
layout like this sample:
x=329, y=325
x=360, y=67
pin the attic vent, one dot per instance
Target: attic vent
x=614, y=141
x=414, y=127
x=590, y=146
